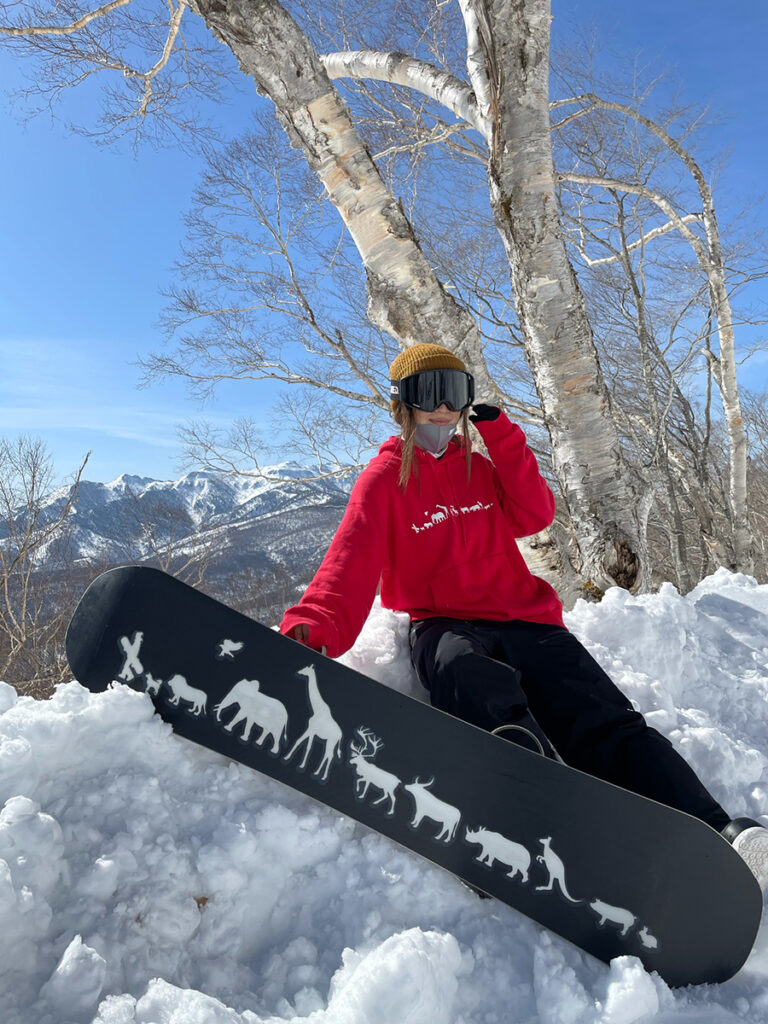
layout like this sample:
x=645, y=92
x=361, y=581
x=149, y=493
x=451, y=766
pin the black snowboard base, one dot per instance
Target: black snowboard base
x=614, y=873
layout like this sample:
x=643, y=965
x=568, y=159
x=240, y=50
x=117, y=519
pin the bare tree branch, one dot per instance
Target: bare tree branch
x=148, y=76
x=679, y=221
x=640, y=243
x=401, y=69
x=63, y=30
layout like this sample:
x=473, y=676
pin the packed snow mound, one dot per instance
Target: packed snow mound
x=144, y=880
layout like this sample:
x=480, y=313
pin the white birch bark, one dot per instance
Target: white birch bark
x=513, y=36
x=404, y=296
x=481, y=65
x=512, y=98
x=63, y=30
x=712, y=263
x=400, y=69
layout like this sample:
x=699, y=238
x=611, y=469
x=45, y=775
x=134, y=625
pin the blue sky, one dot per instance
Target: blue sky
x=90, y=234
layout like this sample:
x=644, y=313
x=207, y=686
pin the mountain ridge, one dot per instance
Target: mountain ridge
x=252, y=541
x=129, y=517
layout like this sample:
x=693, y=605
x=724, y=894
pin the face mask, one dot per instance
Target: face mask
x=434, y=437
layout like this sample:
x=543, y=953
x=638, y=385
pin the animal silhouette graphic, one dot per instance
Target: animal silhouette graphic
x=429, y=806
x=321, y=726
x=257, y=710
x=616, y=915
x=556, y=869
x=495, y=847
x=648, y=940
x=229, y=648
x=369, y=774
x=181, y=690
x=153, y=685
x=132, y=666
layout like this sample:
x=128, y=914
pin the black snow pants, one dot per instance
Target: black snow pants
x=540, y=677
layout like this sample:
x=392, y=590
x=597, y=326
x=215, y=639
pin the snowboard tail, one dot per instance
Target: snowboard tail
x=610, y=871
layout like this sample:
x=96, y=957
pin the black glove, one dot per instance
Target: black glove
x=484, y=413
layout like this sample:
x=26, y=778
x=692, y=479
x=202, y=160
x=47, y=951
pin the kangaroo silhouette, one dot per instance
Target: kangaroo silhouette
x=321, y=726
x=556, y=869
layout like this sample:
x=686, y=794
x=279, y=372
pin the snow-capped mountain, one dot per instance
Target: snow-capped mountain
x=265, y=533
x=129, y=516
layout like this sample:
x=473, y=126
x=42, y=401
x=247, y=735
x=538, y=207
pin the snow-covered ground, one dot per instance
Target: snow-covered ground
x=143, y=879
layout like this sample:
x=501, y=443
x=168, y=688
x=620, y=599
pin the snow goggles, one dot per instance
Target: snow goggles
x=429, y=389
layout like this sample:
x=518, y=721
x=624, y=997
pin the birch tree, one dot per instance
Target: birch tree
x=656, y=172
x=508, y=62
x=708, y=251
x=34, y=564
x=756, y=418
x=652, y=329
x=500, y=111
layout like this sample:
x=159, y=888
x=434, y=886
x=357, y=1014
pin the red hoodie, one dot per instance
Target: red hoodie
x=443, y=547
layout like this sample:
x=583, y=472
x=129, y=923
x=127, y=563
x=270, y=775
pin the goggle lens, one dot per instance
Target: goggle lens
x=430, y=389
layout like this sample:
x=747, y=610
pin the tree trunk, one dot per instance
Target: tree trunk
x=725, y=376
x=712, y=263
x=558, y=338
x=404, y=296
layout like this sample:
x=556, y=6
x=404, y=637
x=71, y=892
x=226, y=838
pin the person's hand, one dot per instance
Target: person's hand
x=300, y=632
x=484, y=413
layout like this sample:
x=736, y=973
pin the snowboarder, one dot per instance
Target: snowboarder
x=434, y=524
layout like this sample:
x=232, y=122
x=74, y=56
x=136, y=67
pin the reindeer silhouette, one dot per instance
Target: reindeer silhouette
x=321, y=726
x=369, y=774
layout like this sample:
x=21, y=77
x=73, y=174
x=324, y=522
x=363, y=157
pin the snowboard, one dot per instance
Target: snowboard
x=612, y=872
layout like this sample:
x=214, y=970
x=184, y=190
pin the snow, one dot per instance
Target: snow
x=107, y=519
x=144, y=880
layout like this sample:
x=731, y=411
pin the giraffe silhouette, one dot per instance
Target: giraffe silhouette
x=321, y=726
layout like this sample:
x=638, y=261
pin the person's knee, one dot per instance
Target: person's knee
x=454, y=659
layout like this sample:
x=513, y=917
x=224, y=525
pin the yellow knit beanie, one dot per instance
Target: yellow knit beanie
x=423, y=357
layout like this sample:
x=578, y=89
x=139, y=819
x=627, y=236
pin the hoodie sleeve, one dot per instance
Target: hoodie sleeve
x=523, y=492
x=336, y=603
